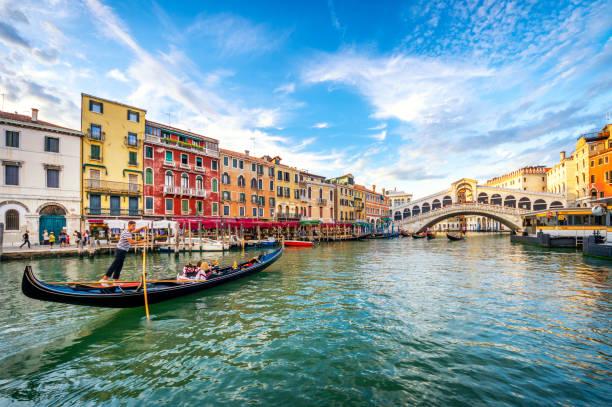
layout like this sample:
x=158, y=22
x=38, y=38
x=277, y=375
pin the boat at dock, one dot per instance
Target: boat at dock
x=127, y=294
x=298, y=243
x=419, y=235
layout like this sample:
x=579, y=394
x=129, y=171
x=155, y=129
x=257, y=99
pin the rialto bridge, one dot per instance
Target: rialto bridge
x=466, y=197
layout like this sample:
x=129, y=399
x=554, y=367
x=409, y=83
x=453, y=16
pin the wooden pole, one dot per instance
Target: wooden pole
x=144, y=282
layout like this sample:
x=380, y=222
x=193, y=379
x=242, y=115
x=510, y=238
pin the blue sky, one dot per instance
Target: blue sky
x=406, y=94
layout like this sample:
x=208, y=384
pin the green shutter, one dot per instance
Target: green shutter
x=149, y=176
x=185, y=205
x=133, y=159
x=95, y=152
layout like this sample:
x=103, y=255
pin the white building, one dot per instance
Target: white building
x=41, y=177
x=397, y=198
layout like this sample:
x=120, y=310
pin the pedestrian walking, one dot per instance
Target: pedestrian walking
x=78, y=236
x=45, y=237
x=26, y=239
x=63, y=236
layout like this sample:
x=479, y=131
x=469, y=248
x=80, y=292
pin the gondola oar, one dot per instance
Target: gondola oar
x=144, y=281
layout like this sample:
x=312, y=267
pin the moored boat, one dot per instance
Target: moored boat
x=126, y=294
x=431, y=235
x=298, y=243
x=419, y=235
x=455, y=237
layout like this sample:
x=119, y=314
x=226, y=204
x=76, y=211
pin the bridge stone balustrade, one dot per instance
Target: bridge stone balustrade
x=510, y=217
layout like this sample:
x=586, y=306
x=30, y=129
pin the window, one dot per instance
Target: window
x=605, y=159
x=51, y=144
x=226, y=211
x=592, y=179
x=262, y=200
x=52, y=178
x=169, y=178
x=241, y=211
x=132, y=139
x=296, y=178
x=215, y=208
x=241, y=165
x=148, y=152
x=272, y=212
x=96, y=107
x=279, y=175
x=11, y=139
x=225, y=195
x=253, y=183
x=199, y=207
x=213, y=165
x=272, y=202
x=184, y=159
x=271, y=185
x=133, y=158
x=234, y=163
x=279, y=191
x=242, y=197
x=271, y=172
x=261, y=212
x=94, y=152
x=185, y=205
x=11, y=219
x=214, y=185
x=149, y=203
x=226, y=161
x=593, y=163
x=254, y=212
x=225, y=178
x=133, y=116
x=199, y=182
x=296, y=193
x=287, y=192
x=253, y=167
x=287, y=175
x=169, y=156
x=241, y=181
x=260, y=184
x=149, y=176
x=199, y=162
x=185, y=181
x=11, y=175
x=169, y=204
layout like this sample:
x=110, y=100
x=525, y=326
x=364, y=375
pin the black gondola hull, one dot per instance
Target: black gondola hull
x=453, y=238
x=36, y=289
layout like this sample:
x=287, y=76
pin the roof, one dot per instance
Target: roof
x=176, y=129
x=26, y=120
x=113, y=101
x=242, y=155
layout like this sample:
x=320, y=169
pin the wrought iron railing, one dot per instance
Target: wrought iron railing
x=112, y=212
x=112, y=186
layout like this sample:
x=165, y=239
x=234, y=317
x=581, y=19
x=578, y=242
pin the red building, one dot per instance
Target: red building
x=181, y=172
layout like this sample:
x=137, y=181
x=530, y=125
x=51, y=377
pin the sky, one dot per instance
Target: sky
x=412, y=95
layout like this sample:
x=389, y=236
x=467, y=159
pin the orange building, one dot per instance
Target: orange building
x=600, y=167
x=247, y=186
x=377, y=209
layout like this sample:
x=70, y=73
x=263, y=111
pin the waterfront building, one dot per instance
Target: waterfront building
x=588, y=147
x=397, y=198
x=247, y=186
x=561, y=178
x=377, y=208
x=288, y=200
x=41, y=177
x=317, y=198
x=360, y=207
x=344, y=205
x=111, y=152
x=524, y=179
x=181, y=172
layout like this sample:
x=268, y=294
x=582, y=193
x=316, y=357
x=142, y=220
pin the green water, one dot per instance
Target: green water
x=397, y=322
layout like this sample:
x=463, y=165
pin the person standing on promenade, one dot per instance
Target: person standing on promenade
x=26, y=239
x=45, y=237
x=122, y=248
x=51, y=239
x=78, y=237
x=63, y=238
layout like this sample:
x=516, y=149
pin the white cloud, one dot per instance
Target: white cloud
x=117, y=75
x=287, y=89
x=380, y=136
x=322, y=125
x=379, y=127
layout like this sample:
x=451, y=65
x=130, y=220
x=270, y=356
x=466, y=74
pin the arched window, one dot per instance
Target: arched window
x=241, y=181
x=53, y=210
x=253, y=183
x=483, y=198
x=260, y=184
x=199, y=182
x=447, y=201
x=425, y=207
x=11, y=219
x=510, y=201
x=436, y=204
x=496, y=199
x=416, y=210
x=539, y=205
x=169, y=178
x=185, y=181
x=556, y=204
x=225, y=179
x=524, y=203
x=149, y=176
x=397, y=216
x=214, y=186
x=406, y=213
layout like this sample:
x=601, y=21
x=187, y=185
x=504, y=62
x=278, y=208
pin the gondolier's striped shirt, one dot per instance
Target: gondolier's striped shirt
x=124, y=244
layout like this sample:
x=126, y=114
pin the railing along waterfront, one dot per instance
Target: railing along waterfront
x=112, y=186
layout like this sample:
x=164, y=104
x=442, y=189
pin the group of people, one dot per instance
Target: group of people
x=49, y=239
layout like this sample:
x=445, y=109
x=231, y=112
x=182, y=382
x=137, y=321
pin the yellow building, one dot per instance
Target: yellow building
x=345, y=198
x=523, y=179
x=287, y=190
x=561, y=178
x=587, y=146
x=111, y=155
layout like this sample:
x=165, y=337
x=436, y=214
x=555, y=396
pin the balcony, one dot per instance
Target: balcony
x=287, y=216
x=179, y=145
x=96, y=185
x=171, y=190
x=321, y=201
x=112, y=212
x=200, y=169
x=171, y=164
x=95, y=136
x=185, y=166
x=304, y=199
x=131, y=143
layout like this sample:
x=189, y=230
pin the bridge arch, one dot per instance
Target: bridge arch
x=406, y=213
x=496, y=199
x=524, y=203
x=447, y=201
x=416, y=210
x=510, y=201
x=556, y=204
x=483, y=198
x=468, y=212
x=539, y=205
x=397, y=215
x=436, y=204
x=425, y=207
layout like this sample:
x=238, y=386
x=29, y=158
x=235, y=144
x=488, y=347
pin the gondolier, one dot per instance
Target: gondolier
x=122, y=248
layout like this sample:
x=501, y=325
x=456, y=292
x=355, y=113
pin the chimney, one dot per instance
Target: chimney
x=246, y=152
x=374, y=188
x=562, y=155
x=34, y=115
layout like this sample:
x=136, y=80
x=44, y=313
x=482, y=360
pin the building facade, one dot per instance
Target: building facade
x=111, y=152
x=524, y=179
x=317, y=198
x=41, y=177
x=344, y=204
x=588, y=147
x=397, y=198
x=181, y=172
x=377, y=206
x=561, y=178
x=288, y=200
x=247, y=186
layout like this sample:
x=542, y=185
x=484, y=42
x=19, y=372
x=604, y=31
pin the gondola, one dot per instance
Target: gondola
x=130, y=294
x=419, y=236
x=454, y=237
x=431, y=235
x=404, y=233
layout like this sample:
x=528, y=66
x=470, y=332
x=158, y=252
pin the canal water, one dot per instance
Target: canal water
x=395, y=322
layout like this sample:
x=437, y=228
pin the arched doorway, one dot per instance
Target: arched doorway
x=464, y=193
x=524, y=203
x=436, y=204
x=425, y=207
x=397, y=215
x=510, y=201
x=496, y=199
x=406, y=213
x=52, y=219
x=556, y=204
x=483, y=198
x=539, y=205
x=416, y=210
x=447, y=201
